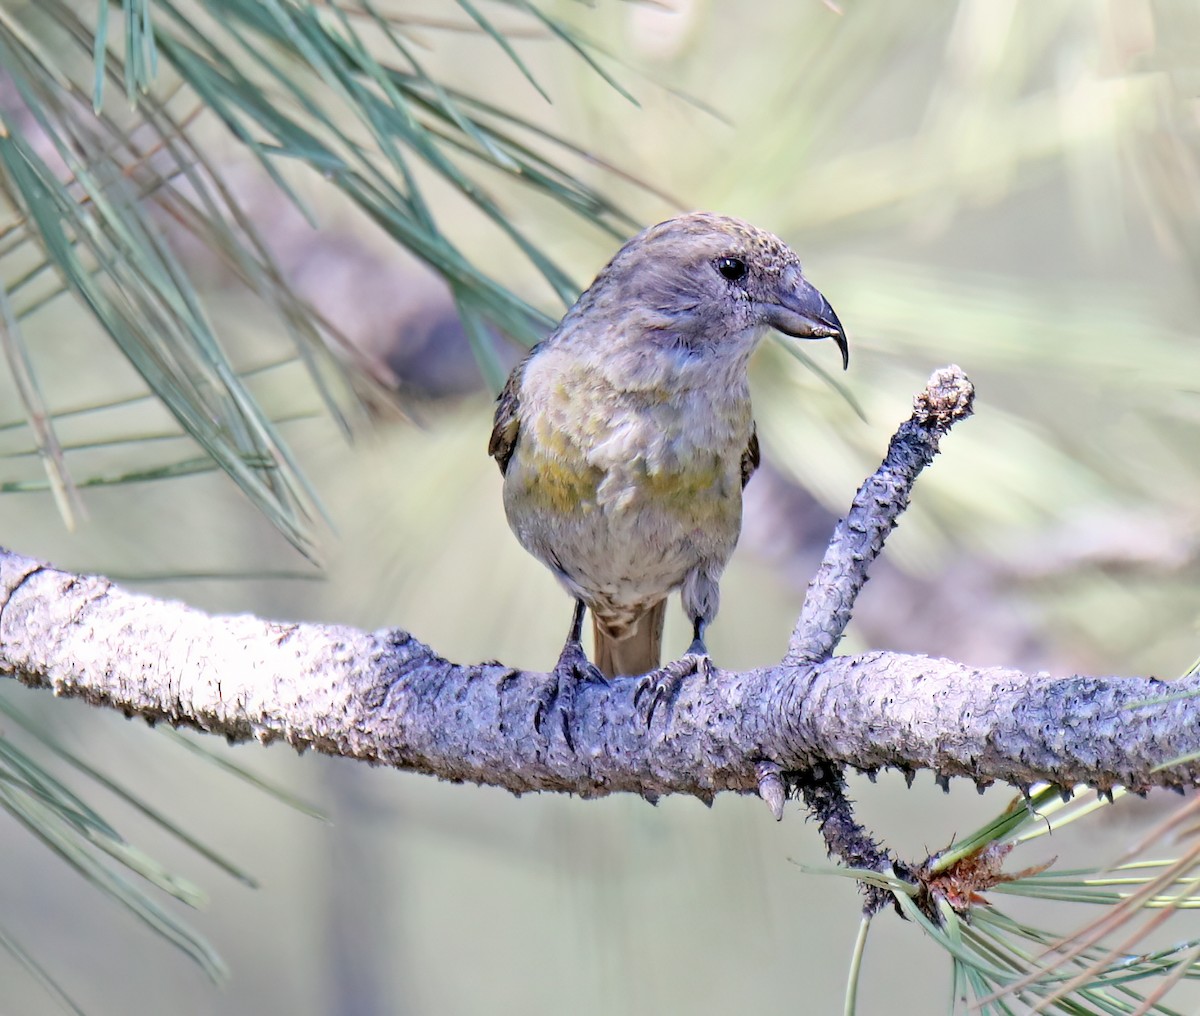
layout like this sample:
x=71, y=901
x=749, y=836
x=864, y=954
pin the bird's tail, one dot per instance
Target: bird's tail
x=638, y=652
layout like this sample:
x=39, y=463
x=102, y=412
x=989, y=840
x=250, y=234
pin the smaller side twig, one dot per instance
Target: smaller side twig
x=859, y=537
x=823, y=790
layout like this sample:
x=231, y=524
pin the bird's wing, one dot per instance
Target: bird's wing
x=750, y=457
x=508, y=416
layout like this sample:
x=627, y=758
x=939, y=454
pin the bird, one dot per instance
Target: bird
x=626, y=437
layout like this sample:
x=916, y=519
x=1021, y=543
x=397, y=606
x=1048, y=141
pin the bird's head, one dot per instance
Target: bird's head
x=710, y=284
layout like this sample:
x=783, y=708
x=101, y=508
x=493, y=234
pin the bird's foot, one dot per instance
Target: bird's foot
x=573, y=665
x=572, y=670
x=663, y=686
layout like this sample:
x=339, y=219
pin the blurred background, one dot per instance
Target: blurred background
x=1013, y=187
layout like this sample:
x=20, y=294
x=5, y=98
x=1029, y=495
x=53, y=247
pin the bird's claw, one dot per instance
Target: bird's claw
x=558, y=694
x=573, y=665
x=664, y=685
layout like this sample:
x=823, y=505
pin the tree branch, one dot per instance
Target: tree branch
x=823, y=789
x=385, y=697
x=859, y=537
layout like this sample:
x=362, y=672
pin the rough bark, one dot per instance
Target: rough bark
x=387, y=698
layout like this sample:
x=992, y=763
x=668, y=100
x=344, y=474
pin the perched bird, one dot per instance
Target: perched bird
x=626, y=437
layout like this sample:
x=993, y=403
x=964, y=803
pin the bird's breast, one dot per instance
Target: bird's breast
x=624, y=493
x=587, y=445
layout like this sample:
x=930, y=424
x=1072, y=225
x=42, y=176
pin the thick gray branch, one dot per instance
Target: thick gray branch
x=386, y=697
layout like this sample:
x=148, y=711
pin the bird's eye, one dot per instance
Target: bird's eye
x=732, y=269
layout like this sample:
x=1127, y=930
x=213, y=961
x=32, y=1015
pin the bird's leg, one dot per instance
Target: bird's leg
x=664, y=684
x=572, y=669
x=698, y=649
x=572, y=661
